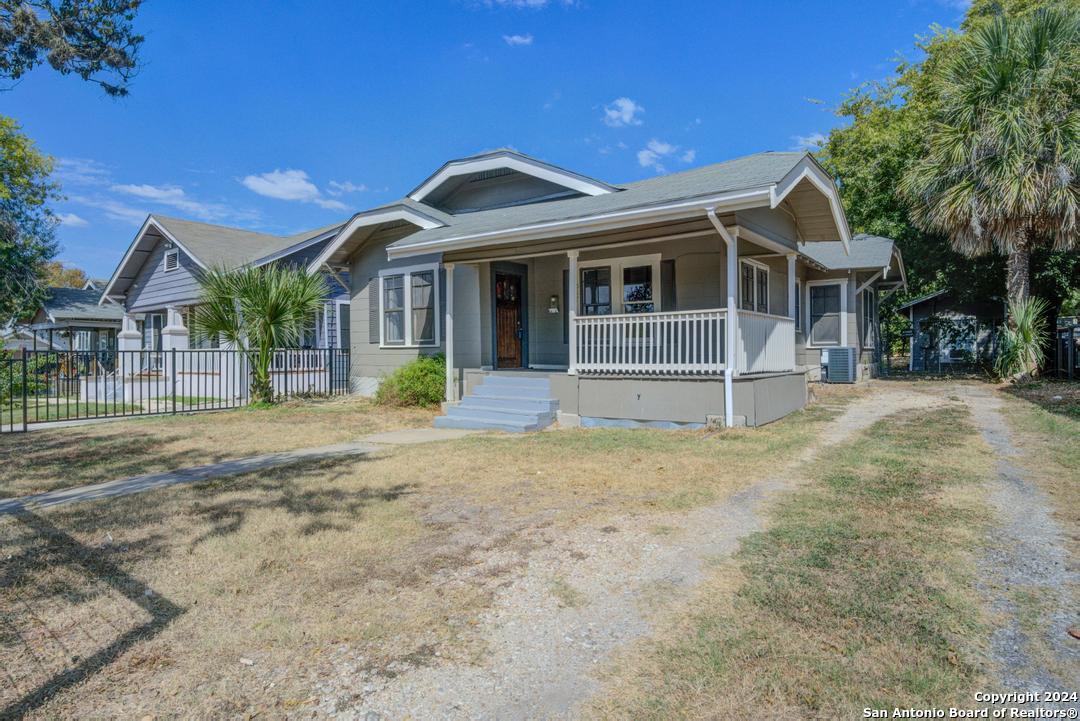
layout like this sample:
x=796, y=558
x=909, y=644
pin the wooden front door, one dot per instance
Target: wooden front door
x=509, y=329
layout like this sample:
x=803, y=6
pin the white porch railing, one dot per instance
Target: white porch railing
x=683, y=342
x=298, y=359
x=766, y=343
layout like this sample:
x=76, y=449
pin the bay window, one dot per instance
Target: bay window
x=408, y=306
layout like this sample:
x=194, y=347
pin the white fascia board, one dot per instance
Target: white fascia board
x=364, y=220
x=590, y=224
x=553, y=175
x=147, y=224
x=809, y=169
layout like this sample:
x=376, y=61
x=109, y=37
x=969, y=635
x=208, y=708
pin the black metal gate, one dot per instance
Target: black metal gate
x=49, y=386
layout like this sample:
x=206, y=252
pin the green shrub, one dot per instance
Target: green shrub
x=419, y=383
x=1022, y=342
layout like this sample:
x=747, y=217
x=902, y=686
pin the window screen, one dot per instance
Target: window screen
x=825, y=314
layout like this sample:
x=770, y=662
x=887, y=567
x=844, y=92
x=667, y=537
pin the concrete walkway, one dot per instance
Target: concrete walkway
x=138, y=484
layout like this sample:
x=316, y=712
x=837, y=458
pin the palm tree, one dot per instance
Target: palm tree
x=1001, y=169
x=258, y=310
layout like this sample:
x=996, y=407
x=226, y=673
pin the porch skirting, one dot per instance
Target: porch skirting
x=671, y=402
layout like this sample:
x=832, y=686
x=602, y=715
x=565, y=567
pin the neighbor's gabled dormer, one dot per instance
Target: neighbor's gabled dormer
x=499, y=179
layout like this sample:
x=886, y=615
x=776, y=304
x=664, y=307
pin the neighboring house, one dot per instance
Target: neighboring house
x=701, y=296
x=867, y=274
x=16, y=339
x=946, y=331
x=72, y=319
x=156, y=285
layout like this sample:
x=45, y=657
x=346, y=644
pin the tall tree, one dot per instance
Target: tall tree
x=27, y=224
x=93, y=39
x=57, y=275
x=1001, y=165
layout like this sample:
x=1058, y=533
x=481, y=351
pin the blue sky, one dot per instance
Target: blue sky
x=286, y=119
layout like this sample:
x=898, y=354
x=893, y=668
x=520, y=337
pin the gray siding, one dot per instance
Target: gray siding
x=154, y=289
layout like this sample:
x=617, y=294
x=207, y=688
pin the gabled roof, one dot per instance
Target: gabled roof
x=206, y=244
x=923, y=298
x=78, y=304
x=867, y=251
x=506, y=158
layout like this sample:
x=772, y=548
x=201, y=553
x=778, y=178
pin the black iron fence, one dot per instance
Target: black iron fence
x=45, y=386
x=1067, y=351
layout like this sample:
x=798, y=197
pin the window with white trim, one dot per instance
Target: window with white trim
x=754, y=286
x=827, y=313
x=868, y=317
x=408, y=306
x=620, y=285
x=172, y=260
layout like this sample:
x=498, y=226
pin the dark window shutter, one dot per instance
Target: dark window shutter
x=668, y=298
x=373, y=310
x=566, y=309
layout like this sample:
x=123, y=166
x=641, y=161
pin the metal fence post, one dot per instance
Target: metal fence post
x=172, y=376
x=25, y=399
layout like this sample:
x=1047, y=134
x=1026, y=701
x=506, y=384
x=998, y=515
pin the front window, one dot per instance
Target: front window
x=423, y=306
x=867, y=318
x=409, y=307
x=638, y=289
x=596, y=291
x=754, y=287
x=825, y=314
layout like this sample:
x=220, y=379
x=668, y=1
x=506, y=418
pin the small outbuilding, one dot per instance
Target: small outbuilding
x=948, y=332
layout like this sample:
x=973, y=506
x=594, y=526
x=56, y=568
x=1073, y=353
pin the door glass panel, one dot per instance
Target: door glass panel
x=596, y=291
x=638, y=289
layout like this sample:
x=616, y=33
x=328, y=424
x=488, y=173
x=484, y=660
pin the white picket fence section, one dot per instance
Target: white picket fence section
x=682, y=342
x=766, y=343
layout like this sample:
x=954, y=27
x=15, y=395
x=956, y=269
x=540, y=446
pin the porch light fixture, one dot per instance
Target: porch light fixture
x=553, y=305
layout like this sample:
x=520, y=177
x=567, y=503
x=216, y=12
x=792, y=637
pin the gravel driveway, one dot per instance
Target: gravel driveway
x=543, y=644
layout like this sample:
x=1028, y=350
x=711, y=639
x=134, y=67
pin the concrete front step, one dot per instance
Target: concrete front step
x=498, y=414
x=488, y=424
x=510, y=403
x=514, y=403
x=506, y=390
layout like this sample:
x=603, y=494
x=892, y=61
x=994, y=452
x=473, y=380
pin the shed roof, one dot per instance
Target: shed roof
x=867, y=251
x=79, y=304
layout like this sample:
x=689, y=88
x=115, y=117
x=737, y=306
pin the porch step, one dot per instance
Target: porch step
x=516, y=404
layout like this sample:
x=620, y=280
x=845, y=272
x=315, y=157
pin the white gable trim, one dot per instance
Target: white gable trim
x=146, y=226
x=364, y=220
x=808, y=169
x=545, y=172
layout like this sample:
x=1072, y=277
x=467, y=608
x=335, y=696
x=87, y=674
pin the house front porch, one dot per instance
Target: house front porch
x=646, y=333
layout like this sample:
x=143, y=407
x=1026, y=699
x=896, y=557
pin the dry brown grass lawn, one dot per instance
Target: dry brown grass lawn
x=371, y=562
x=860, y=593
x=46, y=460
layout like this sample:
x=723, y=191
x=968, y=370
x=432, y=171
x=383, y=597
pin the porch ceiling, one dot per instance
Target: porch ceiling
x=813, y=215
x=630, y=235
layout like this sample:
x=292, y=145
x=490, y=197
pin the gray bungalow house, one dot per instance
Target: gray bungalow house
x=707, y=296
x=72, y=319
x=156, y=284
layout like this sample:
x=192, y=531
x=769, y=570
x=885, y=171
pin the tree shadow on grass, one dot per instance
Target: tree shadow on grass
x=1058, y=397
x=47, y=545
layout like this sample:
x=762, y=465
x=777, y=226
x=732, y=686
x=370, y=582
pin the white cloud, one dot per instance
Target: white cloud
x=622, y=111
x=289, y=184
x=174, y=196
x=655, y=151
x=335, y=188
x=71, y=220
x=114, y=209
x=81, y=171
x=813, y=141
x=518, y=40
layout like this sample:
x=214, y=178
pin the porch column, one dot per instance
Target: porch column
x=451, y=381
x=128, y=339
x=175, y=333
x=571, y=308
x=731, y=320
